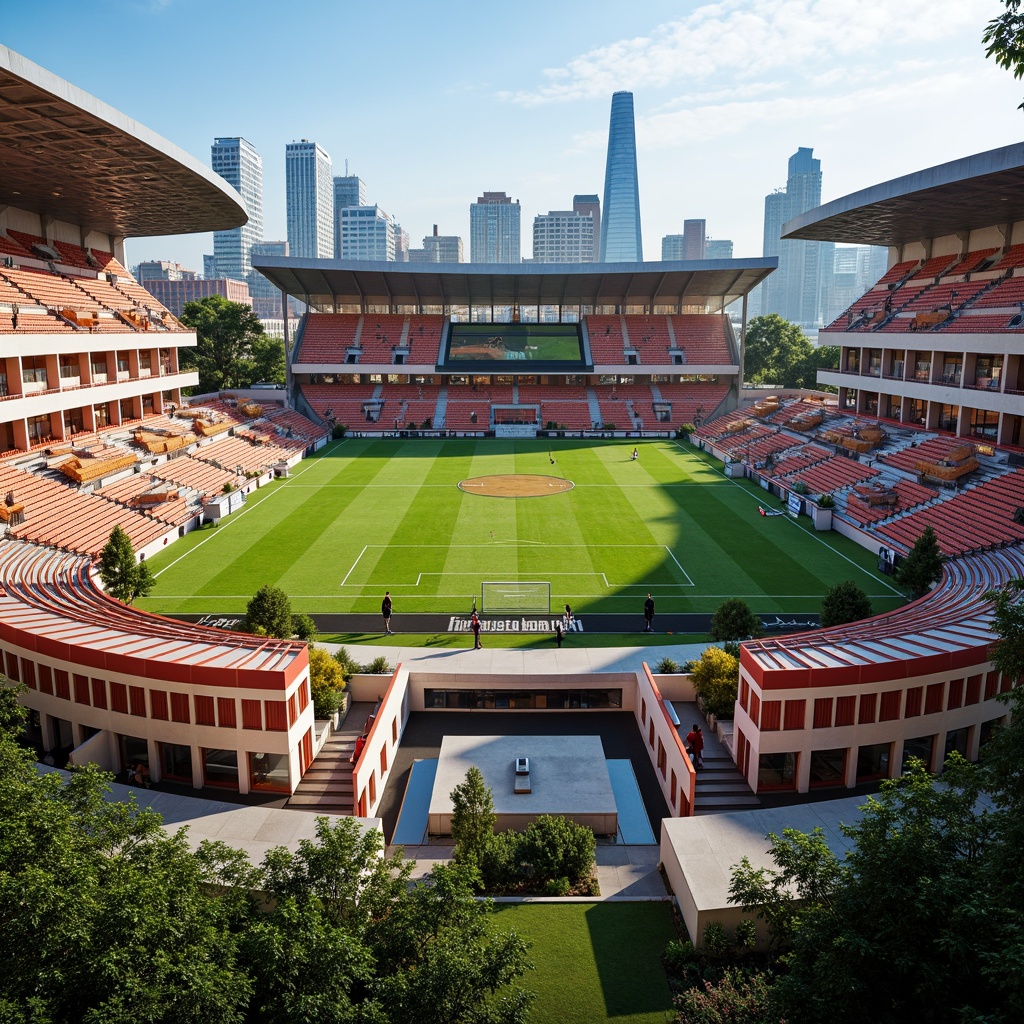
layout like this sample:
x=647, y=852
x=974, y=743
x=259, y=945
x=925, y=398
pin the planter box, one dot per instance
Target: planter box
x=822, y=517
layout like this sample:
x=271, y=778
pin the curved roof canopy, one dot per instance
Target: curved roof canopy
x=963, y=195
x=65, y=154
x=327, y=283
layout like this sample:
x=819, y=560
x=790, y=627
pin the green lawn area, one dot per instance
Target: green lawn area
x=594, y=961
x=366, y=515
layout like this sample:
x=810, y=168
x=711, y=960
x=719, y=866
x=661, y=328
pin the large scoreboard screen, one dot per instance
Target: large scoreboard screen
x=509, y=346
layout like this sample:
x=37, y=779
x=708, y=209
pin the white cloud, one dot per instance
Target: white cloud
x=740, y=39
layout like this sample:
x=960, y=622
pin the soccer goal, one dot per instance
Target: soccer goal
x=526, y=598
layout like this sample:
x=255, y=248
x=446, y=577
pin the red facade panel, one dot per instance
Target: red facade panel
x=933, y=698
x=795, y=714
x=755, y=709
x=204, y=710
x=771, y=715
x=179, y=708
x=914, y=695
x=46, y=679
x=276, y=712
x=119, y=698
x=252, y=714
x=845, y=709
x=868, y=708
x=823, y=712
x=158, y=704
x=81, y=684
x=28, y=673
x=99, y=693
x=955, y=696
x=973, y=690
x=890, y=706
x=227, y=716
x=137, y=699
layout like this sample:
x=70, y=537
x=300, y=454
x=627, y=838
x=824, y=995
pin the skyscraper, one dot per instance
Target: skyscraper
x=591, y=204
x=238, y=163
x=797, y=290
x=563, y=236
x=620, y=220
x=718, y=249
x=349, y=190
x=672, y=247
x=494, y=229
x=366, y=233
x=438, y=249
x=310, y=200
x=694, y=232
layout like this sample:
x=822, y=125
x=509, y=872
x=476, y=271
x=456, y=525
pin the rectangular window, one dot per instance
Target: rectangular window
x=158, y=704
x=46, y=680
x=137, y=697
x=119, y=698
x=914, y=695
x=252, y=714
x=13, y=668
x=383, y=761
x=226, y=714
x=28, y=673
x=99, y=693
x=991, y=684
x=662, y=759
x=796, y=712
x=933, y=698
x=890, y=709
x=868, y=703
x=276, y=712
x=81, y=689
x=973, y=690
x=755, y=709
x=179, y=708
x=823, y=712
x=845, y=709
x=771, y=715
x=204, y=710
x=955, y=696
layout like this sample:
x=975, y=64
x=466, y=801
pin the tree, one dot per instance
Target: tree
x=923, y=566
x=804, y=373
x=844, y=602
x=773, y=350
x=304, y=627
x=123, y=577
x=1004, y=40
x=269, y=612
x=473, y=818
x=716, y=678
x=733, y=620
x=554, y=847
x=268, y=360
x=326, y=682
x=228, y=335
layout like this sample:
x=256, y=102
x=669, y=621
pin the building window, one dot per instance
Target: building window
x=828, y=767
x=873, y=762
x=269, y=772
x=776, y=771
x=176, y=762
x=921, y=748
x=220, y=768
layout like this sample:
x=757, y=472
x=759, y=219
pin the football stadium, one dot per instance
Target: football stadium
x=463, y=436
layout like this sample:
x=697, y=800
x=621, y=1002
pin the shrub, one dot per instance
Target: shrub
x=737, y=996
x=304, y=627
x=270, y=609
x=427, y=423
x=349, y=665
x=379, y=666
x=716, y=943
x=557, y=887
x=553, y=846
x=667, y=666
x=338, y=431
x=800, y=488
x=500, y=863
x=746, y=935
x=326, y=683
x=733, y=620
x=678, y=956
x=716, y=681
x=227, y=489
x=684, y=430
x=845, y=602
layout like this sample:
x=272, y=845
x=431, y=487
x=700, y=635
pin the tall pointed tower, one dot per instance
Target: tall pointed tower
x=620, y=221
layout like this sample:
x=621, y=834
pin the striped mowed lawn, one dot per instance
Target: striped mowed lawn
x=366, y=515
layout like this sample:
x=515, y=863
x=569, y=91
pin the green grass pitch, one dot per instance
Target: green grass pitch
x=366, y=515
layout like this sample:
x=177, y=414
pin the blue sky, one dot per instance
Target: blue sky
x=434, y=103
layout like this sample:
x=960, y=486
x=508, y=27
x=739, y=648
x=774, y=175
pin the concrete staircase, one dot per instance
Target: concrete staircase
x=326, y=788
x=721, y=787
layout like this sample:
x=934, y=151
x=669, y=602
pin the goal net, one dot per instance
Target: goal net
x=531, y=598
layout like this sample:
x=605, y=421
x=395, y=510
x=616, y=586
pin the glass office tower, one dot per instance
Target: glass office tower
x=237, y=161
x=620, y=220
x=309, y=193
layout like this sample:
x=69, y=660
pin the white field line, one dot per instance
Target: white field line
x=689, y=582
x=353, y=566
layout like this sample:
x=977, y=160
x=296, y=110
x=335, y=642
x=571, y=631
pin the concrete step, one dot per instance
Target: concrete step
x=725, y=803
x=320, y=803
x=722, y=785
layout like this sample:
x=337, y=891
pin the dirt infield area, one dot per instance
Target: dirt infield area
x=515, y=485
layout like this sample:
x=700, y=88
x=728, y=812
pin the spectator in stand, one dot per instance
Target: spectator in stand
x=385, y=610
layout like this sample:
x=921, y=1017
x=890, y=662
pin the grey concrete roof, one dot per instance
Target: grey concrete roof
x=67, y=155
x=973, y=192
x=324, y=283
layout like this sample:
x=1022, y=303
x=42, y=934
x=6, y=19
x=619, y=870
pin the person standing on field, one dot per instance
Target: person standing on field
x=476, y=632
x=649, y=613
x=385, y=610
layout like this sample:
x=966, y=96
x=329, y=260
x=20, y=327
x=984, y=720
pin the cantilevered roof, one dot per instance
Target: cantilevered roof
x=973, y=192
x=327, y=283
x=65, y=154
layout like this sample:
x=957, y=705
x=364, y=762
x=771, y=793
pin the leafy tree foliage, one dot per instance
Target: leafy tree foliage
x=554, y=847
x=1004, y=39
x=326, y=682
x=123, y=577
x=108, y=918
x=774, y=350
x=304, y=627
x=844, y=602
x=232, y=350
x=923, y=566
x=269, y=612
x=716, y=678
x=473, y=818
x=733, y=620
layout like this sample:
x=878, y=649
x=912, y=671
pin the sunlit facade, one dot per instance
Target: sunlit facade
x=620, y=224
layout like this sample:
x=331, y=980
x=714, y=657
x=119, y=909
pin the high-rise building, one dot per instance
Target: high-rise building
x=591, y=204
x=494, y=229
x=310, y=200
x=174, y=294
x=563, y=236
x=349, y=190
x=209, y=266
x=366, y=233
x=672, y=247
x=238, y=163
x=718, y=249
x=798, y=290
x=694, y=232
x=438, y=249
x=266, y=298
x=401, y=243
x=620, y=219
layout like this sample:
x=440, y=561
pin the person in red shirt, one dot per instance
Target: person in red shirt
x=695, y=746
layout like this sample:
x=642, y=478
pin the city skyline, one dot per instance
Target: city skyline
x=724, y=93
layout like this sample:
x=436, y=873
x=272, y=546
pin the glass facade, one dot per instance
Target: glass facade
x=494, y=229
x=309, y=191
x=620, y=219
x=238, y=163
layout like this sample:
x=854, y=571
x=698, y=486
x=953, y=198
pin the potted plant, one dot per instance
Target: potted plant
x=821, y=512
